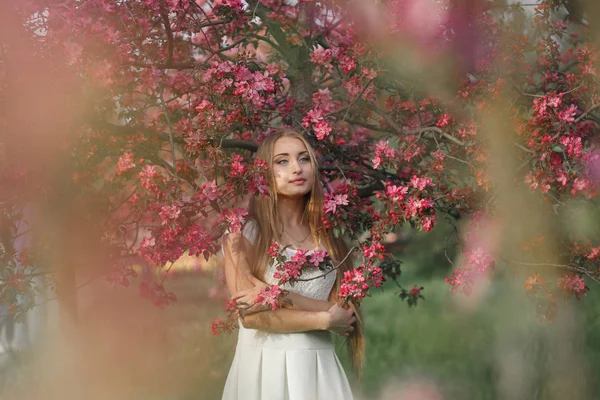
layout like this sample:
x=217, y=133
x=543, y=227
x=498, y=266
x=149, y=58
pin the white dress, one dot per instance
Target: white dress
x=287, y=366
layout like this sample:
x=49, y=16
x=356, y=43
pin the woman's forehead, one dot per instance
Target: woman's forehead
x=290, y=145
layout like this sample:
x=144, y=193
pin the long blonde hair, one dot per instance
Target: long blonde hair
x=262, y=211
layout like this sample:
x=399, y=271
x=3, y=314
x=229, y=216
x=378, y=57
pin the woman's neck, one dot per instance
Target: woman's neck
x=290, y=211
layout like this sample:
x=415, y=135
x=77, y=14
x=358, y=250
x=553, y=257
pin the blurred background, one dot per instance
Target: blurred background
x=120, y=169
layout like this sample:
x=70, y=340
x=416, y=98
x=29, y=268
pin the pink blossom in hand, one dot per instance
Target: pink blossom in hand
x=269, y=296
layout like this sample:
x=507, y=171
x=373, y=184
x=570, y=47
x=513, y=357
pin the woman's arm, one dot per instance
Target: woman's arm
x=287, y=321
x=299, y=302
x=337, y=320
x=291, y=300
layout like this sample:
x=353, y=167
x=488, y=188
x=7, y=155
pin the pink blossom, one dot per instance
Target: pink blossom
x=568, y=114
x=322, y=129
x=428, y=222
x=396, y=193
x=354, y=285
x=580, y=185
x=573, y=284
x=269, y=296
x=383, y=152
x=238, y=168
x=480, y=259
x=375, y=250
x=333, y=202
x=420, y=183
x=318, y=257
x=259, y=185
x=210, y=190
x=125, y=163
x=321, y=56
x=299, y=257
x=572, y=145
x=353, y=86
x=235, y=218
x=376, y=277
x=287, y=271
x=347, y=63
x=444, y=121
x=462, y=280
x=147, y=176
x=312, y=117
x=273, y=249
x=169, y=212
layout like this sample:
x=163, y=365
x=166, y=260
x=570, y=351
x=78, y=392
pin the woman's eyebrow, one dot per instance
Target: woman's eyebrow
x=287, y=154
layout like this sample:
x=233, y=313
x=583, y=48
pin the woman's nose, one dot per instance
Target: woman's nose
x=296, y=166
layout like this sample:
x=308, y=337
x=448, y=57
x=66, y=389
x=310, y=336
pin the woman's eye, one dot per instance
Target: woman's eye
x=280, y=162
x=305, y=159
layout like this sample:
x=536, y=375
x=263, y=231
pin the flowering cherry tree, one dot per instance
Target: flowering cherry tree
x=399, y=101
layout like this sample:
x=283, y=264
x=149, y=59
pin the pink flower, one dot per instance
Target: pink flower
x=299, y=257
x=428, y=222
x=444, y=121
x=354, y=285
x=312, y=117
x=347, y=63
x=573, y=284
x=568, y=115
x=353, y=86
x=396, y=193
x=376, y=277
x=415, y=291
x=169, y=212
x=322, y=129
x=375, y=250
x=125, y=163
x=462, y=280
x=420, y=183
x=383, y=152
x=235, y=218
x=269, y=296
x=572, y=145
x=333, y=202
x=273, y=249
x=480, y=259
x=238, y=168
x=287, y=271
x=317, y=257
x=321, y=56
x=147, y=176
x=259, y=185
x=210, y=190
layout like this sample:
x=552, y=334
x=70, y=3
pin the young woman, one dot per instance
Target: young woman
x=288, y=353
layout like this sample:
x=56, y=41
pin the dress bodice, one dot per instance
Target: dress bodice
x=317, y=288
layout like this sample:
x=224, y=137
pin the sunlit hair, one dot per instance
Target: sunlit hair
x=263, y=212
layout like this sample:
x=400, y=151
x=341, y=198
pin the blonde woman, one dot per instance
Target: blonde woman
x=288, y=353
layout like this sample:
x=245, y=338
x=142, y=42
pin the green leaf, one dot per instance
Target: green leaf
x=557, y=149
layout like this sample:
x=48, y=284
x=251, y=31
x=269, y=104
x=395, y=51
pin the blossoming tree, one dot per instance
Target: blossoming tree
x=417, y=110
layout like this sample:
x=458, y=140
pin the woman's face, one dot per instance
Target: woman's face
x=292, y=169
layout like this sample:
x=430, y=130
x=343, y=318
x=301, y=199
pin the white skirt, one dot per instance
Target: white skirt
x=286, y=366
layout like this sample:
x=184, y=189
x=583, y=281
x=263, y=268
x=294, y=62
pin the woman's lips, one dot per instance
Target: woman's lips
x=298, y=181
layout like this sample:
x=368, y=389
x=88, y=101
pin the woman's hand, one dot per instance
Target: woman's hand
x=341, y=319
x=246, y=298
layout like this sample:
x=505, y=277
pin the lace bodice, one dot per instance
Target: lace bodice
x=318, y=288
